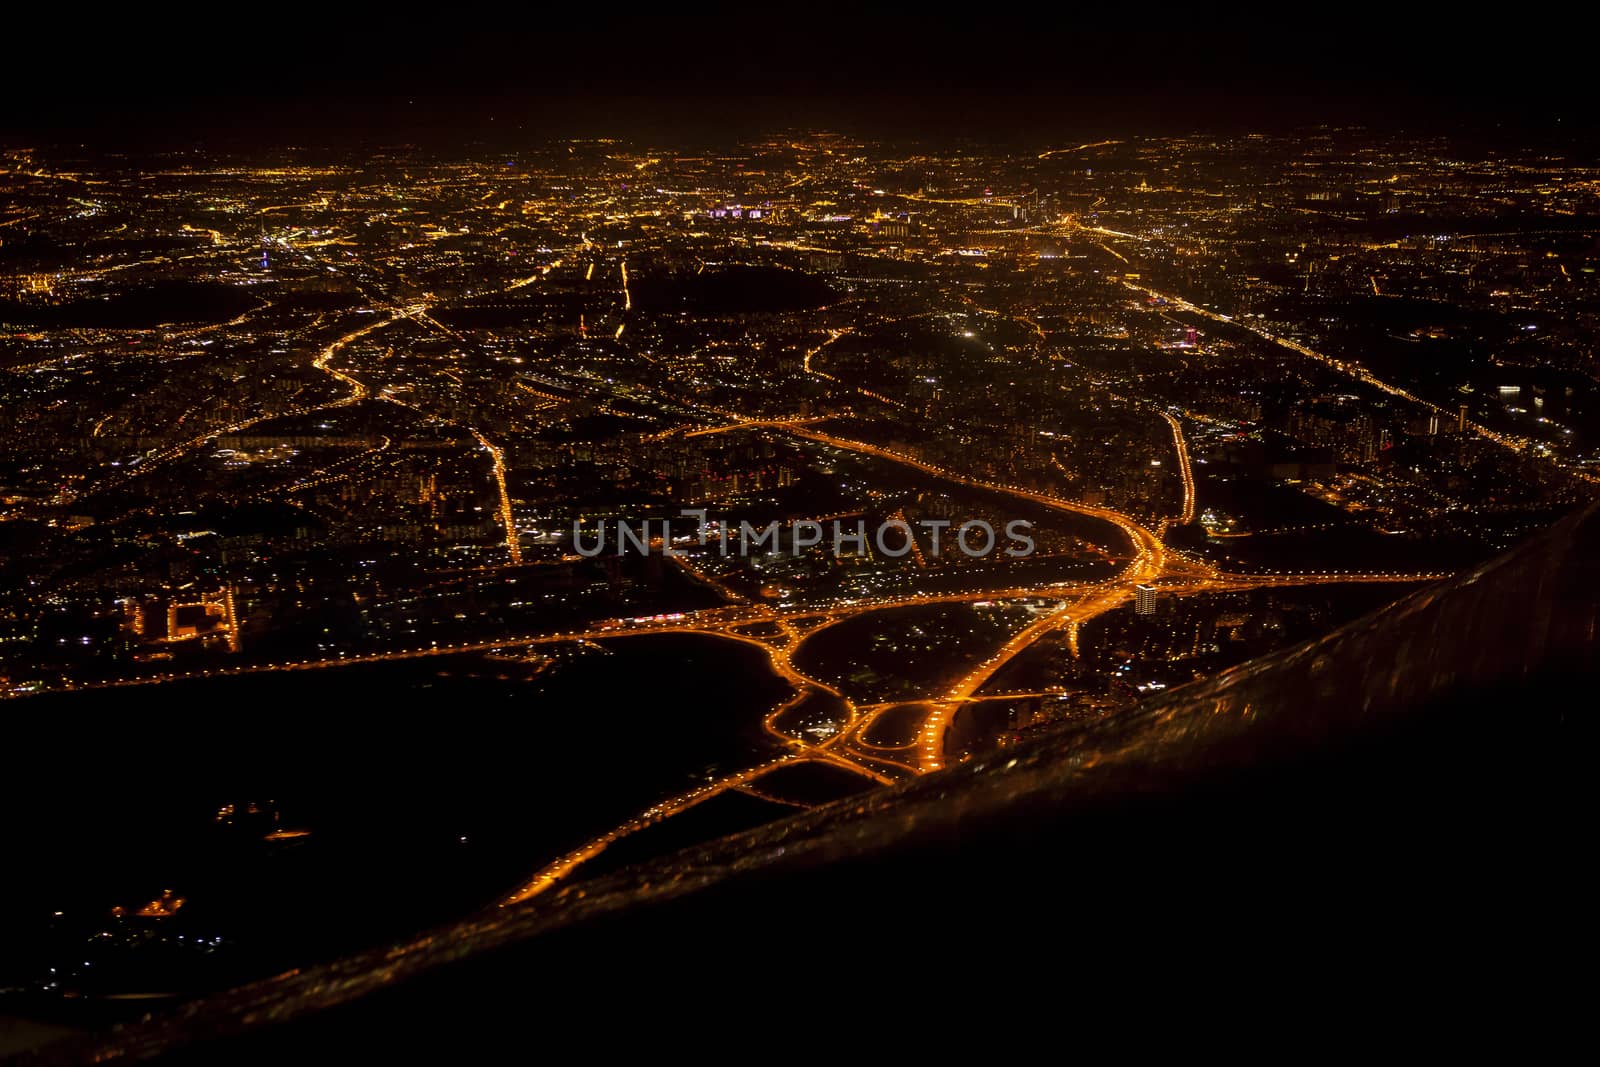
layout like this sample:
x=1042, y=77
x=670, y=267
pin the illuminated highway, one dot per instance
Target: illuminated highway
x=805, y=362
x=752, y=424
x=1184, y=469
x=1076, y=149
x=931, y=741
x=1150, y=554
x=507, y=519
x=359, y=390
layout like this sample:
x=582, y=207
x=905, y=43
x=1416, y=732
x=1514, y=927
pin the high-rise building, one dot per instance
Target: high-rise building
x=1144, y=600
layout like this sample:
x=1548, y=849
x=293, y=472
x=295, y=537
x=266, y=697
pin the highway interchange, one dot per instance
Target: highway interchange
x=1062, y=607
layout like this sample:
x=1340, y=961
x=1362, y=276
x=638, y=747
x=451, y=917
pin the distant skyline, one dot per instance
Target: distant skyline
x=1004, y=74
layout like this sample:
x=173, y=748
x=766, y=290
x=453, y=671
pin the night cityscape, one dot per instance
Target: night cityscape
x=512, y=536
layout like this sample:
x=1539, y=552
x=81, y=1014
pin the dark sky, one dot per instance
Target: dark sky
x=276, y=72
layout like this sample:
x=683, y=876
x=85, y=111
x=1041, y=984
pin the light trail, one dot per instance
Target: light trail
x=805, y=362
x=533, y=278
x=549, y=876
x=1184, y=469
x=930, y=756
x=1150, y=554
x=752, y=424
x=325, y=357
x=1076, y=148
x=513, y=543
